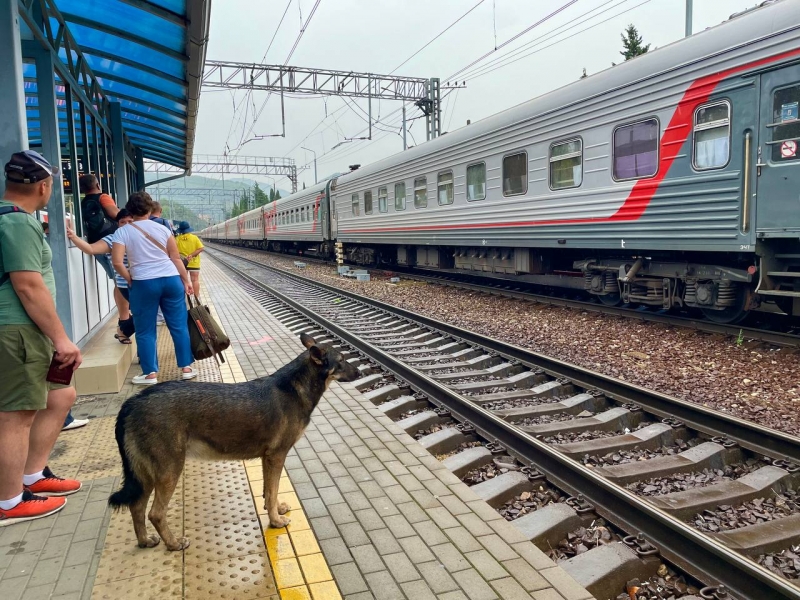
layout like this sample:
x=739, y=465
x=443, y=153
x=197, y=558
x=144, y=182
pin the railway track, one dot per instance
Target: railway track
x=775, y=329
x=568, y=454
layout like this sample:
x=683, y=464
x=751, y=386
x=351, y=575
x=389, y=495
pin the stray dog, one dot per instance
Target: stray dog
x=159, y=427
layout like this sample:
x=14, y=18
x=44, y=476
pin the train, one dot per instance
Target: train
x=671, y=180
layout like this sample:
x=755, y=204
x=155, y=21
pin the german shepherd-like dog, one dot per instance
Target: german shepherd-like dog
x=263, y=418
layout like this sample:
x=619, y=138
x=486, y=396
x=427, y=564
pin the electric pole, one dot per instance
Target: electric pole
x=315, y=163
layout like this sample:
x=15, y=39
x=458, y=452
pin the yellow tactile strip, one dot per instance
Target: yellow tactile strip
x=300, y=569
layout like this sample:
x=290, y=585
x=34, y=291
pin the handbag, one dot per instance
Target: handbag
x=206, y=335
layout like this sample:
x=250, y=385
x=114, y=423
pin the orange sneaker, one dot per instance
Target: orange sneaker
x=50, y=485
x=31, y=507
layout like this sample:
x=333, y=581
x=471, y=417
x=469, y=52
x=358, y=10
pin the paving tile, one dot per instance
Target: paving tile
x=330, y=495
x=548, y=594
x=535, y=557
x=361, y=596
x=401, y=568
x=367, y=559
x=437, y=577
x=462, y=539
x=348, y=578
x=457, y=595
x=417, y=549
x=336, y=551
x=357, y=500
x=527, y=576
x=383, y=586
x=430, y=533
x=474, y=586
x=412, y=512
x=508, y=589
x=565, y=584
x=417, y=590
x=486, y=565
x=324, y=528
x=384, y=541
x=399, y=526
x=370, y=519
x=314, y=568
x=341, y=514
x=314, y=507
x=353, y=534
x=442, y=517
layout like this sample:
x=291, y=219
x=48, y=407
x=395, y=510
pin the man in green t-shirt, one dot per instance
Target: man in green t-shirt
x=32, y=411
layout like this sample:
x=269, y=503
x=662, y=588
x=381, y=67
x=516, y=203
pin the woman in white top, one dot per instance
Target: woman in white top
x=157, y=278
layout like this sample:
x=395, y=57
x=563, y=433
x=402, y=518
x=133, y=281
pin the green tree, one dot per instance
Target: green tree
x=260, y=198
x=277, y=194
x=632, y=45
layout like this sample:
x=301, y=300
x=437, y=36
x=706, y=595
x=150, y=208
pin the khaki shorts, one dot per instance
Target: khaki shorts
x=25, y=355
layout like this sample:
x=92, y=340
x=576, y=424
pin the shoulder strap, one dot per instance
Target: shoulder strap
x=150, y=238
x=6, y=210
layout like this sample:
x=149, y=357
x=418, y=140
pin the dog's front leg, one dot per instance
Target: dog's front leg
x=272, y=465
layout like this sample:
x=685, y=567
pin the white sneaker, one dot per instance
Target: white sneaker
x=143, y=380
x=76, y=423
x=190, y=374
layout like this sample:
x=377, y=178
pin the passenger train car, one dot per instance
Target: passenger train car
x=670, y=180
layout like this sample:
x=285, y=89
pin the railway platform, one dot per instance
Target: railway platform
x=374, y=514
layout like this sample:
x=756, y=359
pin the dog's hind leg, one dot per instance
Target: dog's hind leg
x=138, y=510
x=165, y=487
x=272, y=465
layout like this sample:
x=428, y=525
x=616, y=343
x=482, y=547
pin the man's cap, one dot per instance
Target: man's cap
x=29, y=167
x=184, y=227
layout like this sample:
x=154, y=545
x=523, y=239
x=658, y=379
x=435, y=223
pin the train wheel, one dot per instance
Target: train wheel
x=731, y=315
x=610, y=299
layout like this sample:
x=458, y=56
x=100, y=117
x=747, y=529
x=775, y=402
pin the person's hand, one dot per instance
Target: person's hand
x=188, y=288
x=71, y=234
x=68, y=354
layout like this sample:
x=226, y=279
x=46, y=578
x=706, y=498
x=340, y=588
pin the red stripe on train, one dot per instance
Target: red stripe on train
x=675, y=134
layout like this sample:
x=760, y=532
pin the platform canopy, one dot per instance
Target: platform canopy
x=148, y=55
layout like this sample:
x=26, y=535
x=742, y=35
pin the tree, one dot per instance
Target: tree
x=272, y=194
x=277, y=194
x=632, y=43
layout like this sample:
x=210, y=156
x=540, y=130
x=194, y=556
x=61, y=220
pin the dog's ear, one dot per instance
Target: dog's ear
x=307, y=340
x=316, y=354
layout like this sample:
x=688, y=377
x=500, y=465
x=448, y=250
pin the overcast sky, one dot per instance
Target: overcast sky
x=379, y=35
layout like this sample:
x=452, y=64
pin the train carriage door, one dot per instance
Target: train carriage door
x=778, y=181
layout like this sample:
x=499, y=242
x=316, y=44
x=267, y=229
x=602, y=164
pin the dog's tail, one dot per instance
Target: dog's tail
x=132, y=488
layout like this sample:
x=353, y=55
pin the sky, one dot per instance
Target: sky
x=378, y=36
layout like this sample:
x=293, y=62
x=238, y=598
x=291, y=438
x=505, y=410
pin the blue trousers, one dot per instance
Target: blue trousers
x=146, y=297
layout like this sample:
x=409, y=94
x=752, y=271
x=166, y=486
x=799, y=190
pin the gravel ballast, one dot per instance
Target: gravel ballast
x=759, y=383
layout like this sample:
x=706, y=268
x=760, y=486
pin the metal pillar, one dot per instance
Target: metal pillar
x=316, y=179
x=13, y=125
x=118, y=151
x=139, y=161
x=51, y=150
x=405, y=144
x=688, y=18
x=433, y=116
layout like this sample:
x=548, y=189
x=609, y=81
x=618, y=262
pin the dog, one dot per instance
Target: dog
x=263, y=418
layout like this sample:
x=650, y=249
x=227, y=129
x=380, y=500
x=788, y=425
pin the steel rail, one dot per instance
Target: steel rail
x=752, y=436
x=680, y=544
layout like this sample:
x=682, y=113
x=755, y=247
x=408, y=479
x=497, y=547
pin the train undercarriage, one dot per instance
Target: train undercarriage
x=724, y=293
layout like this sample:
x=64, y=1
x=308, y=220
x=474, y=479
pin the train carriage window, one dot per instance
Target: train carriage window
x=515, y=174
x=476, y=182
x=368, y=202
x=383, y=196
x=400, y=196
x=355, y=205
x=420, y=192
x=785, y=124
x=445, y=188
x=566, y=164
x=636, y=150
x=712, y=132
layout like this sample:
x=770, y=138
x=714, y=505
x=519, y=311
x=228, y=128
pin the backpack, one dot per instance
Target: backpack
x=97, y=223
x=4, y=211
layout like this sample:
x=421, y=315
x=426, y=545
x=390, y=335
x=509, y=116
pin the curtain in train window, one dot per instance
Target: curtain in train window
x=515, y=174
x=636, y=150
x=445, y=188
x=400, y=196
x=420, y=192
x=566, y=164
x=368, y=202
x=355, y=205
x=476, y=182
x=383, y=196
x=785, y=124
x=712, y=129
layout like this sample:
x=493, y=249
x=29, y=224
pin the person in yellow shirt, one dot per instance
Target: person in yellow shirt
x=190, y=247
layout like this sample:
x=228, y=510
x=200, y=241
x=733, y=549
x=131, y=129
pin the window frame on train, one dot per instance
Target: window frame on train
x=777, y=137
x=553, y=160
x=614, y=148
x=383, y=199
x=400, y=183
x=355, y=205
x=368, y=208
x=440, y=183
x=711, y=125
x=421, y=187
x=516, y=153
x=470, y=166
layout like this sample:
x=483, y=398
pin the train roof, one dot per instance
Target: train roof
x=743, y=28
